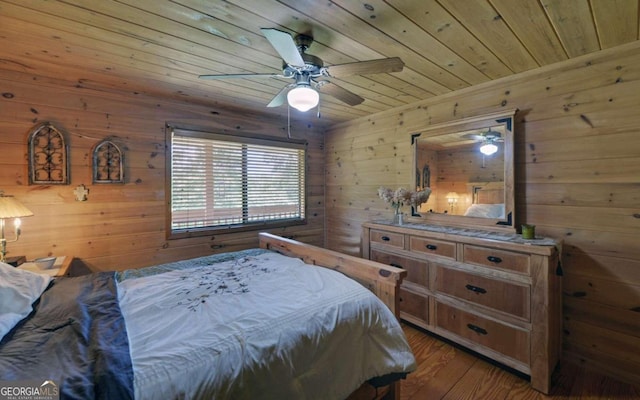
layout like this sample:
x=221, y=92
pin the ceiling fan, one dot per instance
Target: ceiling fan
x=308, y=72
x=489, y=140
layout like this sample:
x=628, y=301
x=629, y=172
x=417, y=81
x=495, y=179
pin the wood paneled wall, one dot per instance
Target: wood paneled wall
x=577, y=166
x=122, y=225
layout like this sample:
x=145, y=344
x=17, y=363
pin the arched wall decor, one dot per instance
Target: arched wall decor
x=108, y=163
x=48, y=156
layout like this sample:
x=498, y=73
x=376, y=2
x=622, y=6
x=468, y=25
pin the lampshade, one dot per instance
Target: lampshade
x=12, y=208
x=452, y=197
x=303, y=98
x=488, y=149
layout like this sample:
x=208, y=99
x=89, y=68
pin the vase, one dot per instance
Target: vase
x=398, y=216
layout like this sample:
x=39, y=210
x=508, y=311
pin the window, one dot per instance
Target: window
x=220, y=181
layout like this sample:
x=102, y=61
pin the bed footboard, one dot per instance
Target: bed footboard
x=383, y=280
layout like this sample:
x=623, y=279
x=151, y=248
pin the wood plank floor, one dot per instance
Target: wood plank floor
x=448, y=372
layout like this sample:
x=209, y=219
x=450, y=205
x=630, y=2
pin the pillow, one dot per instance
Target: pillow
x=485, y=211
x=19, y=289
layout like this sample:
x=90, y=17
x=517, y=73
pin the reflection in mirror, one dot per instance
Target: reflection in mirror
x=468, y=165
x=463, y=175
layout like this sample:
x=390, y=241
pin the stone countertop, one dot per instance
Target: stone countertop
x=478, y=233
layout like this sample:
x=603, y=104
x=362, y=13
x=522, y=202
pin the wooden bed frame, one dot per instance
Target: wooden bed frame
x=383, y=280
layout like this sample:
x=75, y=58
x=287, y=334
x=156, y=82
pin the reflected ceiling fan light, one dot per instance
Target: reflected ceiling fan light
x=303, y=98
x=488, y=149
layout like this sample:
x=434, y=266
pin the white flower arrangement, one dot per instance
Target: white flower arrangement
x=420, y=197
x=401, y=197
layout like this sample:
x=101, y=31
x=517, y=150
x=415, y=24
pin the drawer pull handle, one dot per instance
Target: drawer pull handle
x=431, y=247
x=494, y=259
x=476, y=289
x=477, y=329
x=396, y=265
x=385, y=238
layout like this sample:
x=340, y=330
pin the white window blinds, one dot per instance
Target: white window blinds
x=223, y=180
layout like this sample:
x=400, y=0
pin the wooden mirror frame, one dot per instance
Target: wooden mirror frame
x=506, y=120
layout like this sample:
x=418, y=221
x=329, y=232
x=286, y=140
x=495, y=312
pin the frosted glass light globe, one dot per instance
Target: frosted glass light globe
x=303, y=98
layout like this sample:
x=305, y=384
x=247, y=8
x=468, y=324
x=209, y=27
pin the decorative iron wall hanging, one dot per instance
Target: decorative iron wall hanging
x=108, y=163
x=48, y=156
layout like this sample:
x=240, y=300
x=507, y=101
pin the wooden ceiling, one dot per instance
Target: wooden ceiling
x=159, y=47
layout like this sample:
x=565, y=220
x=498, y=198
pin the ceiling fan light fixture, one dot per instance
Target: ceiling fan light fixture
x=488, y=149
x=303, y=98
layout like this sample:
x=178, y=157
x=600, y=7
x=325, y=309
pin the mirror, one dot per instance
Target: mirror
x=468, y=164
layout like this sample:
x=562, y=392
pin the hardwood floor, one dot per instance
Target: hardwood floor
x=448, y=372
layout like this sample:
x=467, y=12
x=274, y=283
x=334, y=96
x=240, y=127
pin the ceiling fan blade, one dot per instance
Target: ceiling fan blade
x=383, y=65
x=284, y=45
x=473, y=136
x=493, y=135
x=340, y=93
x=232, y=76
x=279, y=98
x=489, y=135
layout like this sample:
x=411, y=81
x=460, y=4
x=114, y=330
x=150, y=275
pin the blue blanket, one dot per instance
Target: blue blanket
x=76, y=337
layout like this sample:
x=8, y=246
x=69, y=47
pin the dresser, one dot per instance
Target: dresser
x=494, y=293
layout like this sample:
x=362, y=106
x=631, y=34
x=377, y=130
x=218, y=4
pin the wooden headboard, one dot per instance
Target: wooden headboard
x=487, y=192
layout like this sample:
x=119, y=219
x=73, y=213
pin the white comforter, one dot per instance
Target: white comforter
x=263, y=327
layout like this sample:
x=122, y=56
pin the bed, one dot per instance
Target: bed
x=259, y=323
x=487, y=200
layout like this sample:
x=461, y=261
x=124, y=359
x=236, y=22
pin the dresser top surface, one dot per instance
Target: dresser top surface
x=503, y=237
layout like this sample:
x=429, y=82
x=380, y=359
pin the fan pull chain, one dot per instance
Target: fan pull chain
x=288, y=121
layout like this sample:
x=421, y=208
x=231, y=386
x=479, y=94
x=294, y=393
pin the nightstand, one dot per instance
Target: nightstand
x=60, y=267
x=15, y=261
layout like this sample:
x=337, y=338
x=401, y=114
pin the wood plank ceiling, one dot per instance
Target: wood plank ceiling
x=159, y=47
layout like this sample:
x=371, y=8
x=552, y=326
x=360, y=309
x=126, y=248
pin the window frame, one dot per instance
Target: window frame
x=237, y=137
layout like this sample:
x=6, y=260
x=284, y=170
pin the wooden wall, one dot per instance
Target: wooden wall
x=577, y=167
x=121, y=225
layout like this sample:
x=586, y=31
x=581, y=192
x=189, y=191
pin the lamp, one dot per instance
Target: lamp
x=452, y=199
x=488, y=148
x=303, y=97
x=10, y=208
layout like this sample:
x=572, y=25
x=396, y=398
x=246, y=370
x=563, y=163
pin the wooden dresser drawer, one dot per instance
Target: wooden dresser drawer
x=387, y=238
x=414, y=306
x=431, y=246
x=417, y=271
x=503, y=296
x=504, y=339
x=488, y=257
